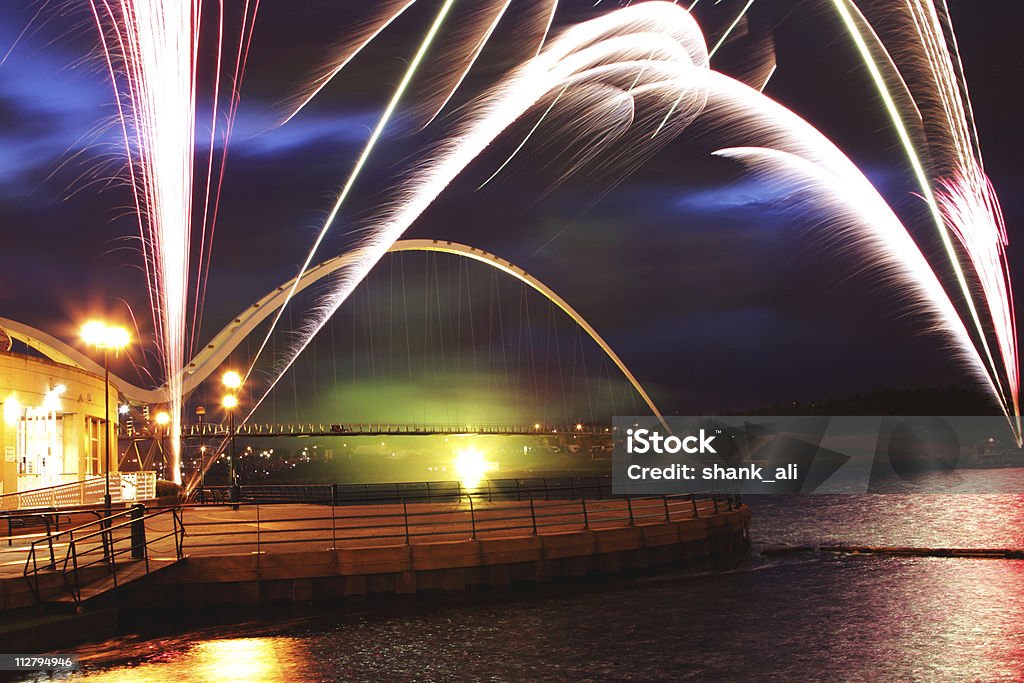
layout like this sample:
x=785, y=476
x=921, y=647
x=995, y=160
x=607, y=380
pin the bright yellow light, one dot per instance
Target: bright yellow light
x=97, y=333
x=162, y=418
x=94, y=332
x=51, y=400
x=470, y=467
x=536, y=425
x=240, y=659
x=579, y=427
x=232, y=380
x=230, y=402
x=117, y=338
x=12, y=409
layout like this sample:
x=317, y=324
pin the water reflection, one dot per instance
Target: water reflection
x=233, y=660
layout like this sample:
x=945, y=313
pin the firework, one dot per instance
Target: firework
x=470, y=37
x=958, y=193
x=473, y=30
x=621, y=73
x=151, y=49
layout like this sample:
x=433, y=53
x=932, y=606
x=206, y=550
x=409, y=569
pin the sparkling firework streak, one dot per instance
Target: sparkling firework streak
x=618, y=67
x=481, y=26
x=151, y=48
x=962, y=202
x=371, y=143
x=622, y=72
x=470, y=41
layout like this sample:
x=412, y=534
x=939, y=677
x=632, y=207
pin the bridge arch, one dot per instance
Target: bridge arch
x=211, y=356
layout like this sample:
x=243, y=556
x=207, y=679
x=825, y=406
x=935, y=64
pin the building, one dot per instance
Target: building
x=52, y=427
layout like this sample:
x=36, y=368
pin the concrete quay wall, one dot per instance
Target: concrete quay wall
x=248, y=579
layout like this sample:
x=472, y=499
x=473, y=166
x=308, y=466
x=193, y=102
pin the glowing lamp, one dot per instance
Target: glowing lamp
x=99, y=334
x=230, y=402
x=162, y=418
x=232, y=380
x=51, y=401
x=12, y=410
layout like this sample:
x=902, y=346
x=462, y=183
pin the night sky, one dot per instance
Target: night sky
x=707, y=283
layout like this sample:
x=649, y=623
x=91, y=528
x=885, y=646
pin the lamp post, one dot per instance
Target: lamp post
x=163, y=419
x=202, y=474
x=108, y=338
x=233, y=382
x=200, y=413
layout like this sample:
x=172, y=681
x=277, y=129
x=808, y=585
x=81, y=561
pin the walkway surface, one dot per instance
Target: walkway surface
x=221, y=530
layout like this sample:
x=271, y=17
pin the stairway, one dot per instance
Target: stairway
x=126, y=575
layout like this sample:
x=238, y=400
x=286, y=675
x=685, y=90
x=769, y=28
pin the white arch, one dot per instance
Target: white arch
x=206, y=362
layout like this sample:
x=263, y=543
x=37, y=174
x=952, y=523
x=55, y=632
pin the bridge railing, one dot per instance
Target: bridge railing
x=259, y=528
x=213, y=429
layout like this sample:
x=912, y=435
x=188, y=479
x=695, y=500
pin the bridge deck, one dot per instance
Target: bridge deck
x=321, y=429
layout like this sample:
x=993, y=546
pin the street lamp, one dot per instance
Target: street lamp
x=162, y=420
x=202, y=474
x=232, y=381
x=108, y=338
x=200, y=414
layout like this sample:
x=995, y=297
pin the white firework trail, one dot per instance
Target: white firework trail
x=357, y=170
x=481, y=29
x=482, y=22
x=151, y=48
x=653, y=57
x=962, y=202
x=610, y=52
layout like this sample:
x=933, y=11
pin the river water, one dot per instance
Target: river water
x=798, y=617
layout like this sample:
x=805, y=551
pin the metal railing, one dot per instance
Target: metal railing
x=101, y=543
x=259, y=528
x=546, y=488
x=49, y=519
x=124, y=487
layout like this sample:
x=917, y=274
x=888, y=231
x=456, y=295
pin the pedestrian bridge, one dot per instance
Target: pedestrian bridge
x=305, y=429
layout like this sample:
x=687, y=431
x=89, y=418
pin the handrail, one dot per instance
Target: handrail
x=134, y=519
x=471, y=516
x=336, y=494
